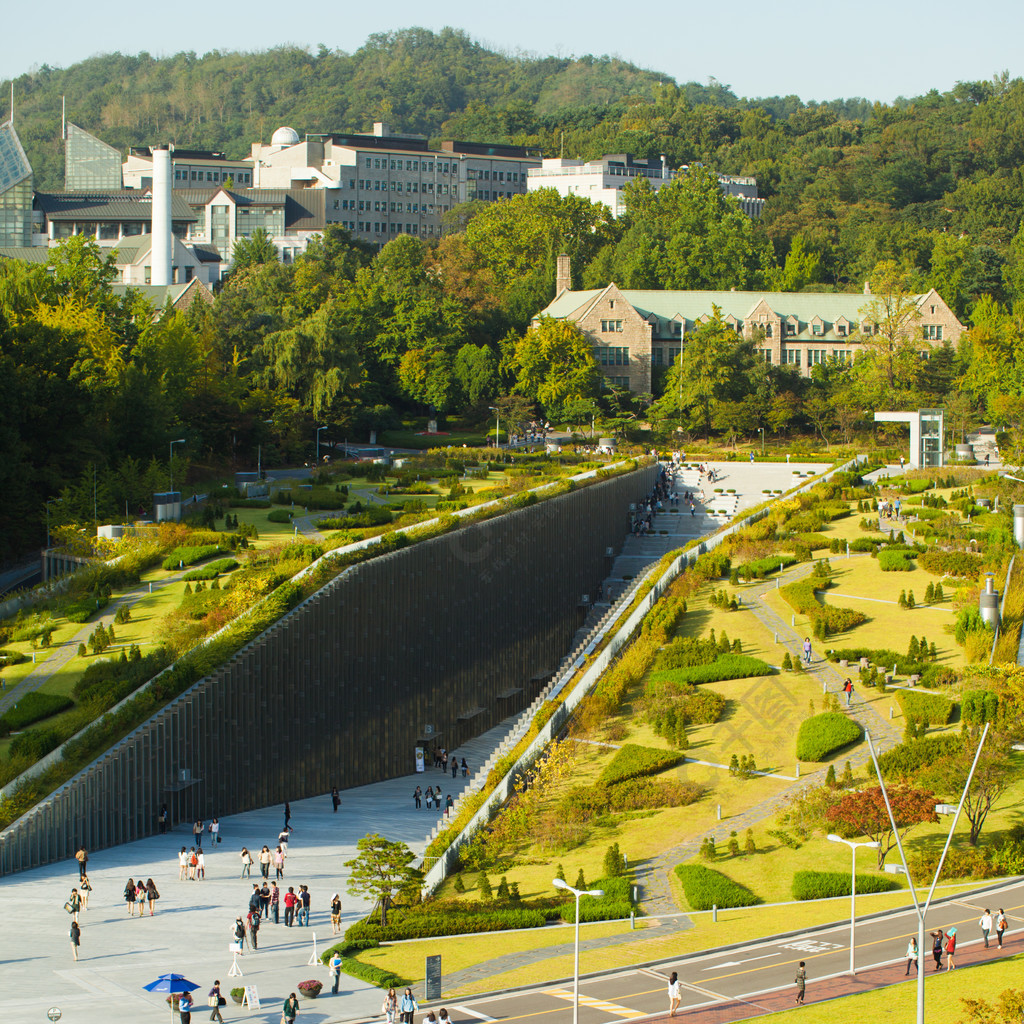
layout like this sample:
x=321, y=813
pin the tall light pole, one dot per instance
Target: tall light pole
x=170, y=460
x=497, y=425
x=762, y=439
x=560, y=883
x=854, y=847
x=318, y=429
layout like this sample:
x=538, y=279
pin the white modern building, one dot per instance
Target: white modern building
x=382, y=185
x=603, y=180
x=190, y=168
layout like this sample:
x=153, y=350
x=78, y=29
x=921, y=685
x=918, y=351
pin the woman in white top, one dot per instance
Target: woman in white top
x=675, y=994
x=912, y=956
x=214, y=833
x=182, y=864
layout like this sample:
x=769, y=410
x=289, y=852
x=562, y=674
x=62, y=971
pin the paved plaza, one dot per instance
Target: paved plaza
x=191, y=929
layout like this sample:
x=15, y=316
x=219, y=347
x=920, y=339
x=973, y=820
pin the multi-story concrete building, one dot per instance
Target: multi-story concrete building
x=634, y=332
x=603, y=180
x=382, y=185
x=190, y=168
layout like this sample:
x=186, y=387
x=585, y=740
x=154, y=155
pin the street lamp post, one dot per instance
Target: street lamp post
x=318, y=430
x=854, y=847
x=170, y=460
x=560, y=883
x=762, y=439
x=497, y=425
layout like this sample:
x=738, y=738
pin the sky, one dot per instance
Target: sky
x=817, y=51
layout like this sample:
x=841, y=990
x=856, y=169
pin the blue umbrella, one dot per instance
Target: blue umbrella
x=171, y=983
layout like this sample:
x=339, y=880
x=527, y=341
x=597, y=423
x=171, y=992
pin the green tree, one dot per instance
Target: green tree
x=254, y=251
x=556, y=364
x=382, y=872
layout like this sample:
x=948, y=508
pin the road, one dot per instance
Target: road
x=757, y=977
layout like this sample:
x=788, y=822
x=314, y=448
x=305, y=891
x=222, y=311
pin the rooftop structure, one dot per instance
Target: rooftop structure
x=603, y=180
x=15, y=189
x=90, y=165
x=190, y=168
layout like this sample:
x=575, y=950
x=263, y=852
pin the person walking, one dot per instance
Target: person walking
x=140, y=896
x=913, y=956
x=335, y=968
x=848, y=690
x=200, y=863
x=185, y=1007
x=75, y=935
x=287, y=816
x=275, y=902
x=279, y=862
x=182, y=864
x=215, y=1000
x=246, y=863
x=265, y=859
x=193, y=863
x=304, y=905
x=675, y=994
x=429, y=797
x=408, y=1006
x=83, y=858
x=129, y=896
x=86, y=889
x=454, y=765
x=265, y=901
x=254, y=899
x=417, y=798
x=254, y=928
x=74, y=904
x=335, y=798
x=937, y=942
x=214, y=833
x=238, y=935
x=197, y=834
x=985, y=924
x=801, y=983
x=1000, y=924
x=291, y=1010
x=465, y=767
x=151, y=895
x=448, y=805
x=807, y=650
x=951, y=949
x=162, y=819
x=390, y=1006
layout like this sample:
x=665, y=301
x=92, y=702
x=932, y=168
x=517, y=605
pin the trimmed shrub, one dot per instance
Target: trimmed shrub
x=212, y=571
x=728, y=666
x=280, y=515
x=633, y=761
x=189, y=555
x=823, y=885
x=765, y=566
x=450, y=921
x=979, y=706
x=894, y=561
x=932, y=707
x=821, y=736
x=951, y=563
x=33, y=707
x=828, y=619
x=706, y=888
x=616, y=903
x=906, y=759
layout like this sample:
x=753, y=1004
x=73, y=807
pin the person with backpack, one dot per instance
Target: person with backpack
x=937, y=941
x=238, y=934
x=1000, y=926
x=151, y=895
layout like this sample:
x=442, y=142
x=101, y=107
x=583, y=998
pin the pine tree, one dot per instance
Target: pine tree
x=581, y=881
x=830, y=777
x=902, y=602
x=483, y=886
x=929, y=593
x=912, y=649
x=910, y=599
x=748, y=846
x=503, y=893
x=847, y=779
x=560, y=873
x=460, y=885
x=787, y=662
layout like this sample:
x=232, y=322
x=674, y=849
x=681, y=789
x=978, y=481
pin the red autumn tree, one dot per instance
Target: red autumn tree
x=863, y=814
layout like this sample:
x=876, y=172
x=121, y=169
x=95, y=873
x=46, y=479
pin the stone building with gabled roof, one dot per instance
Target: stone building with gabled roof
x=635, y=332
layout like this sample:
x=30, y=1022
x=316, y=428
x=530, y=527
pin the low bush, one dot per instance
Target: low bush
x=633, y=761
x=34, y=744
x=447, y=921
x=951, y=563
x=615, y=904
x=189, y=555
x=280, y=515
x=706, y=888
x=828, y=619
x=249, y=503
x=815, y=541
x=728, y=666
x=905, y=759
x=32, y=707
x=821, y=736
x=894, y=561
x=865, y=544
x=824, y=885
x=211, y=571
x=931, y=707
x=372, y=515
x=979, y=706
x=762, y=567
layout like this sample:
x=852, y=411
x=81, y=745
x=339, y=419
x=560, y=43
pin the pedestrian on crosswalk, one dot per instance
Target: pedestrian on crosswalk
x=675, y=994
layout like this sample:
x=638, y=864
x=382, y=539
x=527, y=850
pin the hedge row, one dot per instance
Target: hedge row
x=365, y=972
x=706, y=888
x=211, y=571
x=190, y=554
x=422, y=926
x=906, y=759
x=33, y=707
x=633, y=761
x=728, y=666
x=249, y=503
x=823, y=885
x=951, y=563
x=828, y=619
x=762, y=567
x=280, y=515
x=615, y=904
x=821, y=736
x=881, y=656
x=931, y=706
x=894, y=561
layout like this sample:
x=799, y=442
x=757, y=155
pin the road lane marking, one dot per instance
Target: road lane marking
x=597, y=1004
x=475, y=1013
x=736, y=963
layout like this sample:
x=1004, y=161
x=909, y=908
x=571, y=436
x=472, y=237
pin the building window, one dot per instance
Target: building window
x=612, y=355
x=816, y=356
x=791, y=356
x=843, y=355
x=768, y=328
x=933, y=332
x=619, y=382
x=841, y=330
x=817, y=330
x=788, y=329
x=611, y=326
x=766, y=354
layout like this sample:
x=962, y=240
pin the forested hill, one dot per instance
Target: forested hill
x=418, y=81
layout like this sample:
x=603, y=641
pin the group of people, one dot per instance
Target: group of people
x=215, y=1001
x=433, y=798
x=138, y=894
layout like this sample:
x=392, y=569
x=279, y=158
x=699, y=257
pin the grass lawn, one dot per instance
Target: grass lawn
x=943, y=995
x=270, y=533
x=421, y=442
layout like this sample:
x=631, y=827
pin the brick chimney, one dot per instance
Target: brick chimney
x=563, y=275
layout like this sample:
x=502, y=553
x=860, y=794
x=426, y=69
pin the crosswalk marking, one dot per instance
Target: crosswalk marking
x=597, y=1004
x=475, y=1013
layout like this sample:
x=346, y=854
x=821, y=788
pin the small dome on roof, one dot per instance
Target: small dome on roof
x=284, y=137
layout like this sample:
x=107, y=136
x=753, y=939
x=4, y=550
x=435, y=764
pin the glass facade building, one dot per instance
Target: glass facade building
x=89, y=164
x=15, y=190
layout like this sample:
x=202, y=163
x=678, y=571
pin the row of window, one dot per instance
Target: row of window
x=611, y=326
x=666, y=356
x=238, y=177
x=376, y=185
x=513, y=176
x=384, y=228
x=613, y=356
x=383, y=206
x=794, y=356
x=384, y=163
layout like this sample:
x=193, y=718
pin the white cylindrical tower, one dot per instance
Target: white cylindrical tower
x=161, y=238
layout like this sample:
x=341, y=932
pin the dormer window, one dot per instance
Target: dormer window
x=817, y=329
x=841, y=330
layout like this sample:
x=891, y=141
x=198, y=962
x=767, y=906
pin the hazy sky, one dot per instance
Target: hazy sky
x=875, y=48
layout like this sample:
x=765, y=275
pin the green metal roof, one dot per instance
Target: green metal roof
x=130, y=204
x=30, y=254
